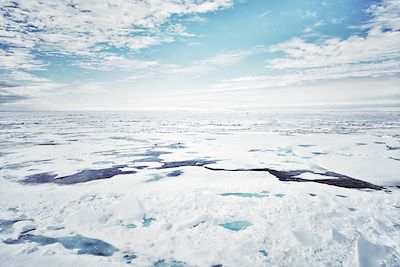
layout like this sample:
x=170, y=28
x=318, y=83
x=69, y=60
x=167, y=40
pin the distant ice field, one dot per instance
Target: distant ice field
x=307, y=188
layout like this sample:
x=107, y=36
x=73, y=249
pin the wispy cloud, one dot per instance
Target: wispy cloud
x=88, y=29
x=112, y=62
x=196, y=69
x=91, y=32
x=7, y=96
x=206, y=65
x=375, y=54
x=15, y=57
x=79, y=26
x=50, y=49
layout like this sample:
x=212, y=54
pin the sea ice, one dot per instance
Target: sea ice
x=84, y=245
x=235, y=189
x=236, y=225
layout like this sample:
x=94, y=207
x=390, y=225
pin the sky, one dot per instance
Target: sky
x=198, y=54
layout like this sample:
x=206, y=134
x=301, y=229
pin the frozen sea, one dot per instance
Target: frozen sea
x=304, y=188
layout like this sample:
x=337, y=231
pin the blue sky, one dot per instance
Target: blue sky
x=197, y=54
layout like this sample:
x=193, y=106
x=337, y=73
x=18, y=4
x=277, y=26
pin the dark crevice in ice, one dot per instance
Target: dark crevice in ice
x=187, y=163
x=336, y=179
x=197, y=224
x=80, y=177
x=169, y=263
x=50, y=143
x=361, y=144
x=141, y=167
x=28, y=229
x=84, y=244
x=263, y=252
x=175, y=173
x=305, y=145
x=261, y=150
x=319, y=153
x=129, y=256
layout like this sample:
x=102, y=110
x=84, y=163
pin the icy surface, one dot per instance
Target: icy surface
x=257, y=195
x=236, y=225
x=83, y=244
x=200, y=189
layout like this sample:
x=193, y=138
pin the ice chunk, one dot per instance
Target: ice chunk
x=370, y=254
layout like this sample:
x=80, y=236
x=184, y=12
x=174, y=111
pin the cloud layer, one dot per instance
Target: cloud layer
x=117, y=49
x=88, y=28
x=92, y=32
x=372, y=54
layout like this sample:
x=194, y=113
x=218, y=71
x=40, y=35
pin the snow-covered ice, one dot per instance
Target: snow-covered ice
x=200, y=189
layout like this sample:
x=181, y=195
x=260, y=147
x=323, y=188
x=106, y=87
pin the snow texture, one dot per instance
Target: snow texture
x=200, y=189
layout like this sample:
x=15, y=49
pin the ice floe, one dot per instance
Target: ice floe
x=188, y=189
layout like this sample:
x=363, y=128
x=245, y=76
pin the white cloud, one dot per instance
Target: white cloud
x=79, y=26
x=18, y=75
x=376, y=46
x=86, y=28
x=373, y=55
x=19, y=58
x=310, y=75
x=196, y=69
x=196, y=19
x=209, y=64
x=385, y=15
x=111, y=61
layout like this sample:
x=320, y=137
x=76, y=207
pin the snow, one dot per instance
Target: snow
x=158, y=204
